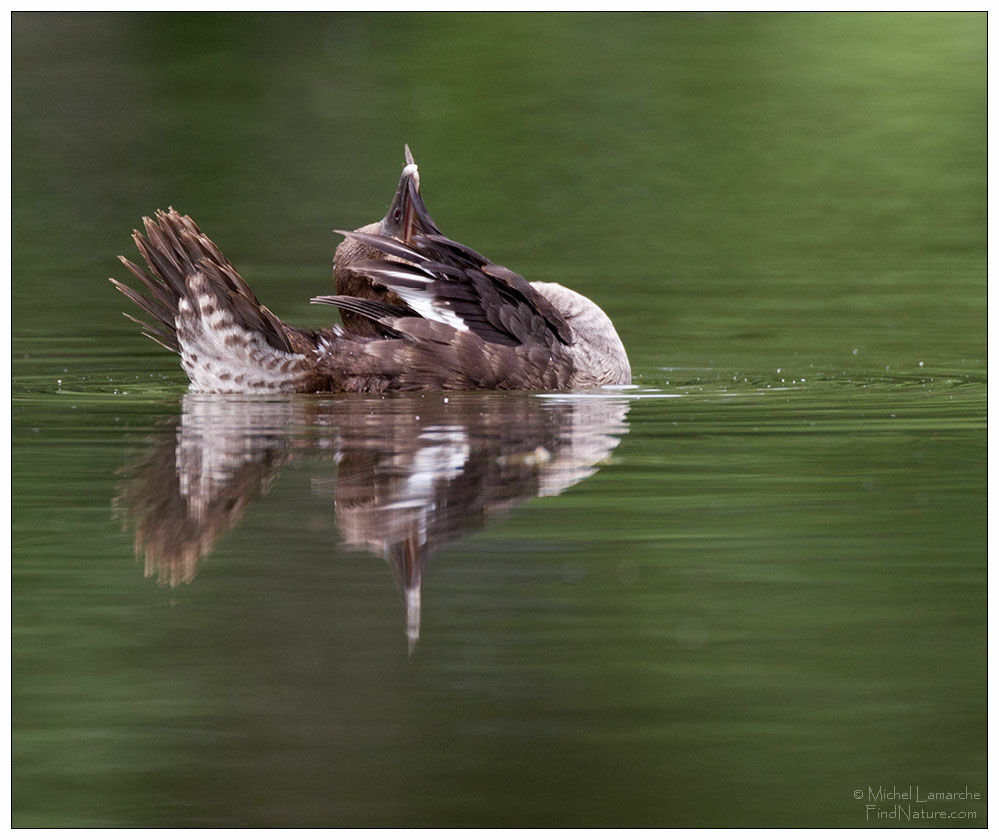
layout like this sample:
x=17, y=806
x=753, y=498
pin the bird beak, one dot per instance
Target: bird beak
x=407, y=215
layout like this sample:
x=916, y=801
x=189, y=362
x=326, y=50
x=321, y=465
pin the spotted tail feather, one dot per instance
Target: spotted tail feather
x=202, y=309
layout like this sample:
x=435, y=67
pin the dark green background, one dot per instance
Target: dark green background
x=785, y=215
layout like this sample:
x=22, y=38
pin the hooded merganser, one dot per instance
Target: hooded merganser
x=419, y=311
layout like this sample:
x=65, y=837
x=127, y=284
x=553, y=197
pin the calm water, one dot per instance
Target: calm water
x=751, y=590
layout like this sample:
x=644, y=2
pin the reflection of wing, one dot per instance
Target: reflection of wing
x=412, y=473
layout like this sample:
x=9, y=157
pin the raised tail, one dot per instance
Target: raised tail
x=202, y=309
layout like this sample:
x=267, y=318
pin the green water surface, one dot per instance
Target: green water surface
x=749, y=591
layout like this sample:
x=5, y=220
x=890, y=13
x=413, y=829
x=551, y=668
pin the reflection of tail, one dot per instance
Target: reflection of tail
x=201, y=308
x=176, y=525
x=195, y=485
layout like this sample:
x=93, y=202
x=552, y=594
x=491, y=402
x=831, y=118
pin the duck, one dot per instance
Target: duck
x=418, y=312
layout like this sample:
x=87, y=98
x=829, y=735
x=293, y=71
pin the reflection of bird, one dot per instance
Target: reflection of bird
x=413, y=472
x=419, y=311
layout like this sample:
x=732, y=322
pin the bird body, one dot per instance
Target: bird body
x=419, y=311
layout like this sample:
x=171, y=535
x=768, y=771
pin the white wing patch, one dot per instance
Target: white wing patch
x=424, y=301
x=427, y=305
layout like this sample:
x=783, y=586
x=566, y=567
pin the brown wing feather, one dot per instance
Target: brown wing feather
x=494, y=302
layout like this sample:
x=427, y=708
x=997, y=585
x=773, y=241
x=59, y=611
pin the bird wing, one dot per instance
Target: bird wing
x=445, y=281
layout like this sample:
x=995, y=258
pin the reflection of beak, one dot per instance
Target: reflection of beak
x=407, y=215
